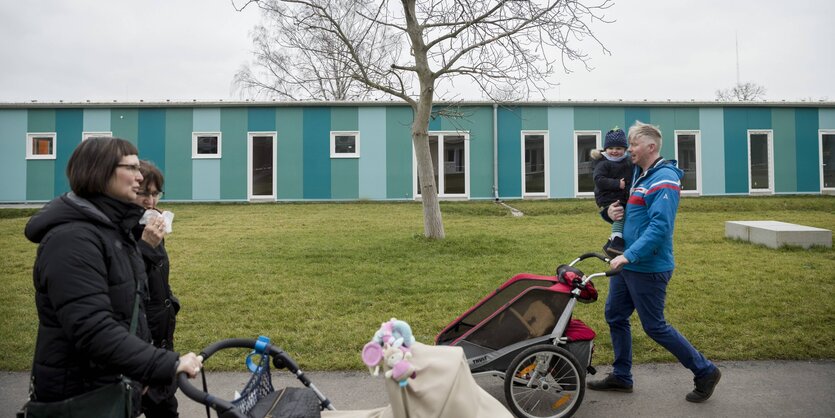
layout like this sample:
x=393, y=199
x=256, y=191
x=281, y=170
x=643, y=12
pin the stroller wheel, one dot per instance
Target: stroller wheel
x=544, y=381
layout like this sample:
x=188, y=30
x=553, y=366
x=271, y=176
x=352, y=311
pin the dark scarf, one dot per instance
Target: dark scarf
x=124, y=214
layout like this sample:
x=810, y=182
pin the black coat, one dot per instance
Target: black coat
x=85, y=277
x=607, y=175
x=162, y=305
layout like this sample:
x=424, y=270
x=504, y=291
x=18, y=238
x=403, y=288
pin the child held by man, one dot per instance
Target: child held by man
x=612, y=179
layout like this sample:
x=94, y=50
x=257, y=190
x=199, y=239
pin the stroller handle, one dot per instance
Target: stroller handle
x=280, y=360
x=602, y=258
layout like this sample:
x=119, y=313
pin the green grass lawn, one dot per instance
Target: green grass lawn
x=320, y=278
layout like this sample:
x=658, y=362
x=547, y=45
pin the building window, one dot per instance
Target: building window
x=450, y=164
x=87, y=135
x=205, y=145
x=40, y=146
x=584, y=142
x=534, y=163
x=760, y=162
x=688, y=156
x=345, y=144
x=827, y=153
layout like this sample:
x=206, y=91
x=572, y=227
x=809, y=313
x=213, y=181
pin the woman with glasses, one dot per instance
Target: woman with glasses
x=162, y=305
x=87, y=274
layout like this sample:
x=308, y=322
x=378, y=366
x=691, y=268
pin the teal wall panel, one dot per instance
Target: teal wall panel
x=233, y=164
x=633, y=114
x=371, y=170
x=399, y=153
x=686, y=118
x=434, y=120
x=561, y=138
x=665, y=119
x=711, y=124
x=151, y=136
x=97, y=120
x=178, y=170
x=479, y=123
x=289, y=173
x=736, y=150
x=13, y=163
x=534, y=118
x=344, y=178
x=344, y=119
x=206, y=120
x=826, y=118
x=759, y=118
x=125, y=124
x=40, y=180
x=344, y=171
x=587, y=119
x=68, y=125
x=40, y=174
x=206, y=181
x=808, y=151
x=316, y=145
x=785, y=153
x=261, y=119
x=510, y=152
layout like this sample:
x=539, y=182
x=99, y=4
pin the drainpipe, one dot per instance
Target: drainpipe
x=496, y=152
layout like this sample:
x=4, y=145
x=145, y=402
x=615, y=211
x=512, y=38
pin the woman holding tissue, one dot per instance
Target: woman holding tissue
x=89, y=281
x=161, y=306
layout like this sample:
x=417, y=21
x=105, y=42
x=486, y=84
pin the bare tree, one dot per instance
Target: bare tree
x=741, y=92
x=508, y=48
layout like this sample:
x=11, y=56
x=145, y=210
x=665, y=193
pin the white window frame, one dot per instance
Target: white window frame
x=440, y=165
x=546, y=166
x=821, y=133
x=355, y=154
x=87, y=135
x=770, y=138
x=195, y=155
x=30, y=152
x=598, y=135
x=249, y=138
x=698, y=135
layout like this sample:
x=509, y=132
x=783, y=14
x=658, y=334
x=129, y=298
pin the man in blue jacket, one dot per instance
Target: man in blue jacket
x=647, y=267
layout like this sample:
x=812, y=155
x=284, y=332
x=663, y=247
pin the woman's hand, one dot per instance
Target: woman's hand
x=190, y=364
x=154, y=231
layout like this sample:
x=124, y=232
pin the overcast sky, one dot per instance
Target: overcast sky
x=154, y=50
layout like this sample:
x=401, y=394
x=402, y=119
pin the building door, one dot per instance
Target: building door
x=827, y=153
x=261, y=168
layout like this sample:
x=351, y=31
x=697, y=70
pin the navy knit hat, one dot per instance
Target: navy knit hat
x=615, y=138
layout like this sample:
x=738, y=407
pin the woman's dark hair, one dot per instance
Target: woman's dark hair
x=93, y=162
x=151, y=175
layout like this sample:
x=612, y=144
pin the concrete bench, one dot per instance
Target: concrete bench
x=776, y=234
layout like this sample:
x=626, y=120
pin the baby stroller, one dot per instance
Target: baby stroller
x=442, y=387
x=523, y=332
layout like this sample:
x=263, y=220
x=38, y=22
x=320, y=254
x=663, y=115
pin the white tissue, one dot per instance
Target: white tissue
x=153, y=213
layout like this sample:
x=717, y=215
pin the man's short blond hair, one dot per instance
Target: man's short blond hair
x=652, y=132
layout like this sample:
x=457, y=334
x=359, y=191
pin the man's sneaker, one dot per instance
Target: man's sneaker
x=704, y=387
x=610, y=383
x=616, y=247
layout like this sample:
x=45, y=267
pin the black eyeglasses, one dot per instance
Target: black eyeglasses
x=133, y=168
x=145, y=193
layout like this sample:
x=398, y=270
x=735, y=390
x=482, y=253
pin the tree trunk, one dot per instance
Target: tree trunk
x=433, y=224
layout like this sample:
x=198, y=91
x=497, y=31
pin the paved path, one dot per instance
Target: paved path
x=748, y=389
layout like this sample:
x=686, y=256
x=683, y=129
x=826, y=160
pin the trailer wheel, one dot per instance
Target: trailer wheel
x=544, y=381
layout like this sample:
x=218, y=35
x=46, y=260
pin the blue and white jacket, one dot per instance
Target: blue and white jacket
x=650, y=217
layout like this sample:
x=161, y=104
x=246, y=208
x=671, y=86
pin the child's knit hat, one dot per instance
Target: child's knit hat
x=615, y=138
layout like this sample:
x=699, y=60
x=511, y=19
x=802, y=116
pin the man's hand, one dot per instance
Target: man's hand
x=615, y=211
x=618, y=262
x=622, y=184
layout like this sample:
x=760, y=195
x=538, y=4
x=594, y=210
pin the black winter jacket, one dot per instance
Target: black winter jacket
x=162, y=305
x=607, y=175
x=85, y=277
